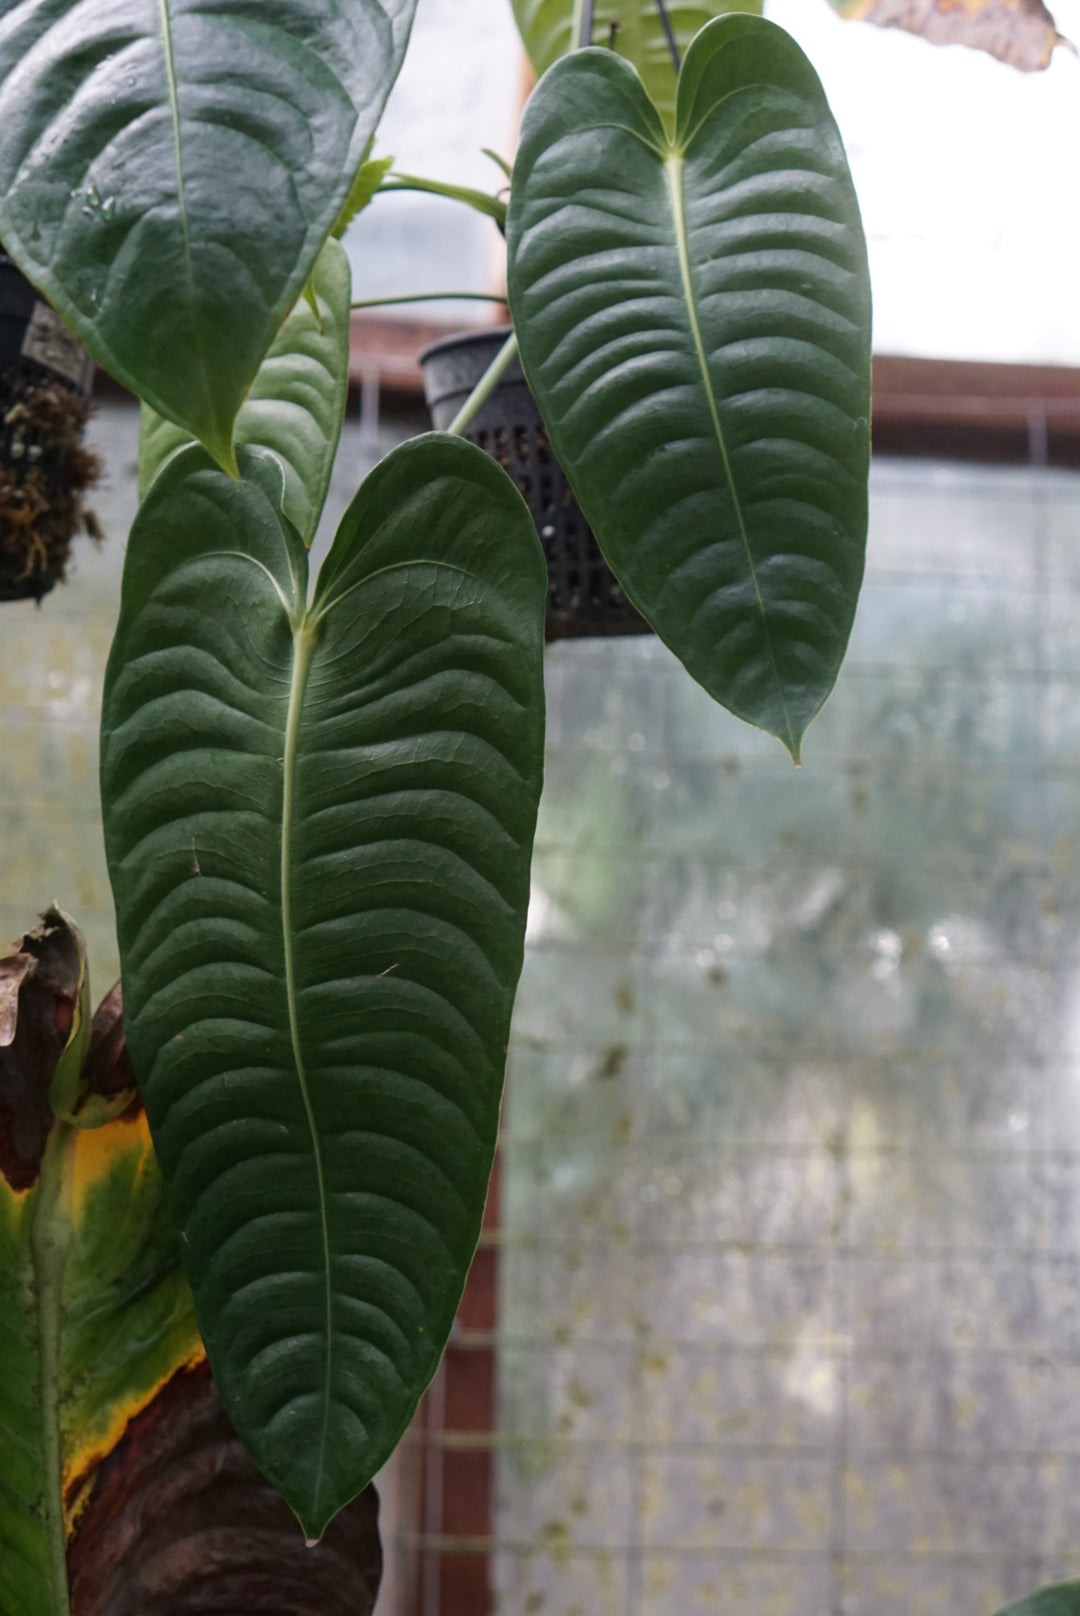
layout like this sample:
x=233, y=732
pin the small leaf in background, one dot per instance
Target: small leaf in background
x=500, y=162
x=319, y=822
x=698, y=340
x=1020, y=33
x=369, y=177
x=1063, y=1599
x=634, y=29
x=297, y=404
x=170, y=171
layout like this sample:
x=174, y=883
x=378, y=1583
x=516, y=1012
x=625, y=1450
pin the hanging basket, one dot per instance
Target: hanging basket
x=45, y=468
x=583, y=594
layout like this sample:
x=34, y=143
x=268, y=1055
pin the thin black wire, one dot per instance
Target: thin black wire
x=673, y=45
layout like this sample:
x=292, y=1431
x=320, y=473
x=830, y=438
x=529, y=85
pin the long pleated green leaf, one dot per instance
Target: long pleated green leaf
x=319, y=822
x=632, y=28
x=694, y=320
x=297, y=403
x=169, y=170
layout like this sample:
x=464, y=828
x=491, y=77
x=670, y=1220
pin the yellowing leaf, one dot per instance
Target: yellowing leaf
x=95, y=1313
x=219, y=1538
x=117, y=1461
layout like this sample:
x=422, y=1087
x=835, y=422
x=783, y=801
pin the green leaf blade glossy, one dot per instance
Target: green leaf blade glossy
x=698, y=341
x=297, y=403
x=547, y=29
x=321, y=897
x=171, y=168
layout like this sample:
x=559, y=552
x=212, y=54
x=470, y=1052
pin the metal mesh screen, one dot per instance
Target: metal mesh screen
x=788, y=1296
x=779, y=1302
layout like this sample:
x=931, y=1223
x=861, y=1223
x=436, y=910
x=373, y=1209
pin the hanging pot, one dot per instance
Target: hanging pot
x=583, y=594
x=45, y=469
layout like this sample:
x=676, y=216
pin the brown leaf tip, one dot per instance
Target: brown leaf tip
x=40, y=975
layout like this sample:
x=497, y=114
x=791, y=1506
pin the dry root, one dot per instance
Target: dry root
x=45, y=472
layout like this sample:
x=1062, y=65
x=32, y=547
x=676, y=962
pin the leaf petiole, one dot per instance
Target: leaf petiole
x=487, y=384
x=492, y=206
x=429, y=297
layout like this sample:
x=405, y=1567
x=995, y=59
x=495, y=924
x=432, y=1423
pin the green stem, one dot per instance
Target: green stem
x=487, y=384
x=493, y=207
x=428, y=297
x=50, y=1236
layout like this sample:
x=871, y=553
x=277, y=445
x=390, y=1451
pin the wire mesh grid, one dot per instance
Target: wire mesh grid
x=787, y=1314
x=781, y=1307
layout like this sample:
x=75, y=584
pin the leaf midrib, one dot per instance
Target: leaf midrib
x=181, y=185
x=50, y=1237
x=674, y=168
x=305, y=638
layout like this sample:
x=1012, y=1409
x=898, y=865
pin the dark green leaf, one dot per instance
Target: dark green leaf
x=550, y=28
x=694, y=320
x=1063, y=1599
x=297, y=404
x=169, y=171
x=319, y=824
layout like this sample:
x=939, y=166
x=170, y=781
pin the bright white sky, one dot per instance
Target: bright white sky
x=966, y=172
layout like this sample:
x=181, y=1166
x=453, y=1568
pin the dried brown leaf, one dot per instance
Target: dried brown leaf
x=1021, y=33
x=40, y=981
x=180, y=1522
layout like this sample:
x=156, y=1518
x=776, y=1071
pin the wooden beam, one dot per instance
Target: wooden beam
x=388, y=347
x=917, y=401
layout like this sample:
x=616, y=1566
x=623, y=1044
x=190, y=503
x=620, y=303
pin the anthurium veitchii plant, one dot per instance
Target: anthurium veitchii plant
x=320, y=795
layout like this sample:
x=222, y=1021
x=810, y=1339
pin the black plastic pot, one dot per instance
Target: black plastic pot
x=583, y=595
x=45, y=381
